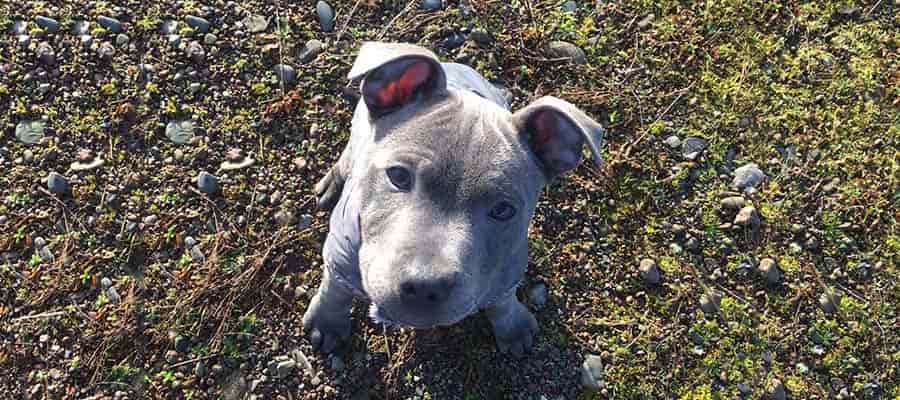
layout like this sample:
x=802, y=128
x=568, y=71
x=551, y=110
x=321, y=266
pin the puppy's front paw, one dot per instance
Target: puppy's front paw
x=514, y=331
x=328, y=189
x=325, y=326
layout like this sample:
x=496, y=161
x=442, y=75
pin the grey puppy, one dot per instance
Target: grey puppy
x=432, y=197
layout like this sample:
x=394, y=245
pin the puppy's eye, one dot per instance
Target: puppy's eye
x=400, y=177
x=503, y=211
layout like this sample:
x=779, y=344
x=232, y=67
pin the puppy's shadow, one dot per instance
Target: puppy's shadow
x=456, y=362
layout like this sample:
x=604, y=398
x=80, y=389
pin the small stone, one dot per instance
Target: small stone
x=649, y=271
x=106, y=51
x=747, y=177
x=113, y=295
x=111, y=24
x=46, y=255
x=432, y=5
x=122, y=40
x=733, y=203
x=207, y=183
x=45, y=53
x=150, y=220
x=537, y=296
x=592, y=373
x=769, y=270
x=326, y=15
x=182, y=344
x=199, y=24
x=195, y=52
x=692, y=244
x=850, y=12
x=747, y=217
x=200, y=370
x=19, y=27
x=284, y=368
x=778, y=392
x=455, y=40
x=48, y=24
x=673, y=142
x=305, y=222
x=255, y=23
x=39, y=242
x=286, y=74
x=180, y=132
x=300, y=162
x=57, y=184
x=675, y=248
x=692, y=147
x=646, y=21
x=81, y=27
x=744, y=388
x=795, y=248
x=566, y=50
x=96, y=162
x=210, y=39
x=106, y=282
x=710, y=301
x=285, y=218
x=311, y=50
x=30, y=132
x=481, y=36
x=168, y=27
x=829, y=301
x=570, y=6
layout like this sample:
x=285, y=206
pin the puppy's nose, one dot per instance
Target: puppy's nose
x=428, y=291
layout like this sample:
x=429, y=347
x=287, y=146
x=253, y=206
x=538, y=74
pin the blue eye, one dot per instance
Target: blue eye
x=503, y=211
x=400, y=178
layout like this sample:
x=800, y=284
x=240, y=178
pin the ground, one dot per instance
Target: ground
x=135, y=284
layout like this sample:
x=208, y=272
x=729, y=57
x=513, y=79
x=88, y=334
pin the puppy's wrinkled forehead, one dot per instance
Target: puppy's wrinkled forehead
x=466, y=144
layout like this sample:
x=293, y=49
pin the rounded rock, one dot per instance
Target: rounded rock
x=311, y=50
x=326, y=15
x=769, y=270
x=57, y=184
x=197, y=23
x=747, y=177
x=48, y=24
x=207, y=183
x=649, y=271
x=432, y=5
x=111, y=24
x=710, y=301
x=566, y=50
x=592, y=373
x=286, y=74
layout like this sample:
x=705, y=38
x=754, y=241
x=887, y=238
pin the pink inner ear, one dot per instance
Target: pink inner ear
x=544, y=127
x=400, y=91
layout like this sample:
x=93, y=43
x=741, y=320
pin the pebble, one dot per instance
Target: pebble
x=207, y=183
x=326, y=16
x=733, y=203
x=46, y=255
x=197, y=254
x=57, y=184
x=561, y=49
x=778, y=392
x=81, y=27
x=19, y=27
x=286, y=74
x=106, y=51
x=537, y=296
x=747, y=177
x=106, y=282
x=200, y=369
x=210, y=39
x=197, y=23
x=122, y=40
x=45, y=53
x=48, y=24
x=168, y=27
x=747, y=217
x=646, y=21
x=710, y=301
x=255, y=23
x=111, y=24
x=769, y=270
x=830, y=303
x=285, y=218
x=692, y=147
x=30, y=132
x=675, y=248
x=673, y=142
x=182, y=344
x=570, y=6
x=649, y=271
x=113, y=295
x=311, y=50
x=692, y=244
x=455, y=40
x=180, y=132
x=195, y=52
x=432, y=5
x=592, y=373
x=481, y=36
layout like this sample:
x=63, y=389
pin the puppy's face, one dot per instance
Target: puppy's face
x=450, y=192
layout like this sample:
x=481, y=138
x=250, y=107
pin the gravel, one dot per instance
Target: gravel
x=747, y=177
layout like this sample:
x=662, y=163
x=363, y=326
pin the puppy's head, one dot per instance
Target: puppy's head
x=450, y=186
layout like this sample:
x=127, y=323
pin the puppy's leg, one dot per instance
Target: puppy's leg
x=327, y=319
x=514, y=326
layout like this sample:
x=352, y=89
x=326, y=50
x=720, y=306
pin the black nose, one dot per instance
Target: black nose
x=428, y=291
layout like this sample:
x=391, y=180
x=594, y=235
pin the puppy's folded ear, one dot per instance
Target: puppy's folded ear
x=555, y=131
x=396, y=74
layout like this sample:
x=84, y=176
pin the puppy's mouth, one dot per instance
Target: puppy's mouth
x=384, y=316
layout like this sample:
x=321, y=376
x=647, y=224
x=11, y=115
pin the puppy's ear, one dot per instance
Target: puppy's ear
x=555, y=131
x=396, y=74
